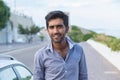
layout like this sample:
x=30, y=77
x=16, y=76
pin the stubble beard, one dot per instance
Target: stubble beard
x=59, y=40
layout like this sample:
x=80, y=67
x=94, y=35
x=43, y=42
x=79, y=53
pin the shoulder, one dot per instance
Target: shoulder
x=74, y=44
x=78, y=47
x=78, y=50
x=40, y=52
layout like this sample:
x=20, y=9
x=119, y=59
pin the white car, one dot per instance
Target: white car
x=11, y=69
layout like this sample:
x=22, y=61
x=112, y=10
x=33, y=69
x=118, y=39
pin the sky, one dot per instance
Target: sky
x=100, y=15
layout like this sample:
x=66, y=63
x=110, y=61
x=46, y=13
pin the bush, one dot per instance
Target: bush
x=87, y=36
x=76, y=34
x=114, y=44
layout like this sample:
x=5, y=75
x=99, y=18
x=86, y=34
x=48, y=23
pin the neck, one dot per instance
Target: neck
x=60, y=46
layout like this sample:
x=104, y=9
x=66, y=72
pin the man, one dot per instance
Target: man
x=61, y=59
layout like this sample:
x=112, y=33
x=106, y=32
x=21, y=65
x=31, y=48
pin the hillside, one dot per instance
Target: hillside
x=79, y=34
x=84, y=31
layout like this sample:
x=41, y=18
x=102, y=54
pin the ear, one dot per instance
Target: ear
x=67, y=29
x=47, y=30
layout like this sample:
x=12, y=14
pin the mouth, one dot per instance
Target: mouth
x=56, y=35
x=57, y=38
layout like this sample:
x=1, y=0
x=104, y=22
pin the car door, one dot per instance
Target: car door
x=8, y=73
x=23, y=72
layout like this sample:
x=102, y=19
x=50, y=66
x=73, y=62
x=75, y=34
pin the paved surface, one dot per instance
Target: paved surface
x=10, y=47
x=98, y=67
x=112, y=56
x=26, y=55
x=22, y=52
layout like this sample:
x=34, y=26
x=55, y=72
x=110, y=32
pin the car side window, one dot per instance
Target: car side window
x=8, y=74
x=24, y=73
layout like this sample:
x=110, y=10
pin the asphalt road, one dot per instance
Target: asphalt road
x=26, y=55
x=98, y=67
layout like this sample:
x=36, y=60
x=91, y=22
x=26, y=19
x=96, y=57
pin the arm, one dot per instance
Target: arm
x=38, y=73
x=83, y=68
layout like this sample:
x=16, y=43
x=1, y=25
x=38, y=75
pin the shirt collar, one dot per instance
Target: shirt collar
x=49, y=47
x=70, y=42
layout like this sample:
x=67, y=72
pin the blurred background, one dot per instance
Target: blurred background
x=94, y=24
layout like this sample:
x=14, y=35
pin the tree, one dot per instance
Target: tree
x=41, y=37
x=4, y=14
x=23, y=30
x=34, y=29
x=29, y=32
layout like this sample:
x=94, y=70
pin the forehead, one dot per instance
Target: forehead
x=55, y=21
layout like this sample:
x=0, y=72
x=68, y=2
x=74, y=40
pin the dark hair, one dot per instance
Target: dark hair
x=57, y=14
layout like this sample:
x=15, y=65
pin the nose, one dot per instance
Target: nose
x=56, y=30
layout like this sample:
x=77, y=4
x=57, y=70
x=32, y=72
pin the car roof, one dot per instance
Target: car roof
x=6, y=60
x=6, y=57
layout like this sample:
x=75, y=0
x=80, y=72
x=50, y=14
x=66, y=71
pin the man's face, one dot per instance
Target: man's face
x=57, y=30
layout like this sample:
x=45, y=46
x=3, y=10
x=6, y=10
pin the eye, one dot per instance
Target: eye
x=59, y=26
x=51, y=27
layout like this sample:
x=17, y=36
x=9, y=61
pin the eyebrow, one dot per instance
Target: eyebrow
x=55, y=25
